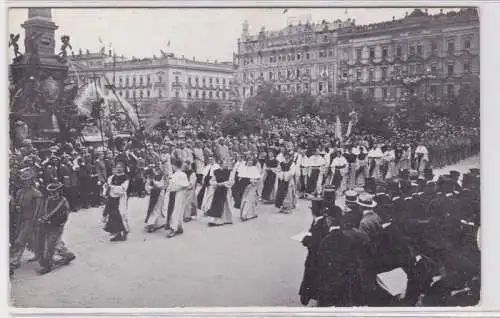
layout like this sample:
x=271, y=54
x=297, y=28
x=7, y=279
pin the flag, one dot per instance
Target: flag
x=338, y=129
x=168, y=44
x=345, y=11
x=349, y=128
x=100, y=40
x=285, y=11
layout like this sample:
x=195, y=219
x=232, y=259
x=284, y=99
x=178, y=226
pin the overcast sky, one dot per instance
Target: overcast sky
x=204, y=33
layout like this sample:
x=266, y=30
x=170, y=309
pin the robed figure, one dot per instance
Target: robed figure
x=221, y=210
x=115, y=211
x=155, y=217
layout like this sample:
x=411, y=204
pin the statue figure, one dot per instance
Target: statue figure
x=13, y=43
x=65, y=45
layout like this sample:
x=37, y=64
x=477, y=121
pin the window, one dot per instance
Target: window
x=288, y=57
x=160, y=79
x=411, y=69
x=217, y=80
x=261, y=75
x=288, y=88
x=298, y=57
x=148, y=79
x=399, y=51
x=330, y=87
x=148, y=93
x=197, y=94
x=223, y=95
x=467, y=44
x=384, y=92
x=320, y=86
x=189, y=94
x=451, y=46
x=279, y=87
x=297, y=87
x=450, y=90
x=450, y=69
x=141, y=80
x=298, y=73
x=141, y=94
x=204, y=94
x=322, y=53
x=467, y=67
x=217, y=94
x=359, y=53
x=223, y=81
x=210, y=94
x=204, y=81
x=211, y=80
x=306, y=87
x=120, y=80
x=126, y=94
x=434, y=67
x=177, y=79
x=176, y=94
x=420, y=50
x=307, y=56
x=370, y=75
x=270, y=75
x=371, y=91
x=189, y=81
x=293, y=57
x=197, y=80
x=412, y=50
x=397, y=70
x=372, y=52
x=133, y=80
x=358, y=75
x=251, y=90
x=344, y=74
x=308, y=71
x=330, y=52
x=434, y=45
x=120, y=93
x=465, y=86
x=384, y=73
x=434, y=91
x=127, y=81
x=384, y=52
x=134, y=93
x=420, y=68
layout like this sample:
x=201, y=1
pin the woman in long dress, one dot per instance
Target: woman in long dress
x=176, y=207
x=205, y=195
x=238, y=187
x=221, y=210
x=115, y=211
x=250, y=176
x=314, y=163
x=270, y=180
x=190, y=192
x=155, y=185
x=286, y=196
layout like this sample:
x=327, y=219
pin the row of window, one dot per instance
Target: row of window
x=434, y=91
x=203, y=95
x=323, y=87
x=398, y=50
x=291, y=57
x=411, y=69
x=141, y=80
x=273, y=75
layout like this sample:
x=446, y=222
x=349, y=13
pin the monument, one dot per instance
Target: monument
x=40, y=96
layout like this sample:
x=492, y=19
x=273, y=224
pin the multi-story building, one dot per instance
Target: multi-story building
x=154, y=80
x=298, y=59
x=429, y=55
x=433, y=55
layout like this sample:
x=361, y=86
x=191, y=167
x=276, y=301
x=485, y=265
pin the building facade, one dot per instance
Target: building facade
x=155, y=80
x=430, y=55
x=298, y=59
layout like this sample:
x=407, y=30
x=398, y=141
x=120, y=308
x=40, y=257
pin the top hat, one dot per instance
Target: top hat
x=317, y=205
x=475, y=171
x=454, y=174
x=334, y=212
x=428, y=174
x=370, y=185
x=405, y=174
x=413, y=174
x=27, y=174
x=366, y=200
x=52, y=187
x=350, y=196
x=405, y=187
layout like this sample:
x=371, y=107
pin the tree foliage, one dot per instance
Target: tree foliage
x=240, y=123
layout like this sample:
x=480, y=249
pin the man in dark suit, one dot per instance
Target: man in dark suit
x=318, y=230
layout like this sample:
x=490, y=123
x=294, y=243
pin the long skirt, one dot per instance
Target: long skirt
x=269, y=189
x=286, y=197
x=312, y=180
x=205, y=197
x=237, y=191
x=153, y=200
x=157, y=217
x=391, y=170
x=190, y=203
x=176, y=209
x=249, y=202
x=351, y=176
x=404, y=164
x=361, y=174
x=116, y=210
x=222, y=212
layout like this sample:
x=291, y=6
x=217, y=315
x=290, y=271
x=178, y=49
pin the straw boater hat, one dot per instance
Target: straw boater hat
x=27, y=174
x=366, y=200
x=351, y=196
x=53, y=187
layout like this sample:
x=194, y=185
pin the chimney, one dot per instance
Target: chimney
x=110, y=53
x=393, y=18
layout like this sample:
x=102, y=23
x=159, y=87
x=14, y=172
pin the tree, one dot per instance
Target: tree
x=194, y=110
x=267, y=101
x=465, y=106
x=213, y=110
x=240, y=123
x=413, y=114
x=373, y=117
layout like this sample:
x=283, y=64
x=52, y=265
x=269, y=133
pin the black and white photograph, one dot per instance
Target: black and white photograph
x=244, y=157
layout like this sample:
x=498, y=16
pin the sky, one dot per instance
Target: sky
x=202, y=33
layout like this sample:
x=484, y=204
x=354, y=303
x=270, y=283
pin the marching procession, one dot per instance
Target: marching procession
x=396, y=214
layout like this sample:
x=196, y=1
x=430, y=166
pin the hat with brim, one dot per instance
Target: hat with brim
x=350, y=196
x=474, y=171
x=27, y=174
x=53, y=187
x=366, y=200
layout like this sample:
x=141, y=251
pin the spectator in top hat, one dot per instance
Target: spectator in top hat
x=317, y=231
x=455, y=176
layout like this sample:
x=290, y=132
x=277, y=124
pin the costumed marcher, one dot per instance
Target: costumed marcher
x=314, y=165
x=422, y=158
x=270, y=178
x=339, y=168
x=221, y=210
x=250, y=176
x=238, y=185
x=155, y=185
x=176, y=207
x=206, y=193
x=191, y=209
x=115, y=210
x=318, y=230
x=28, y=205
x=53, y=217
x=286, y=195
